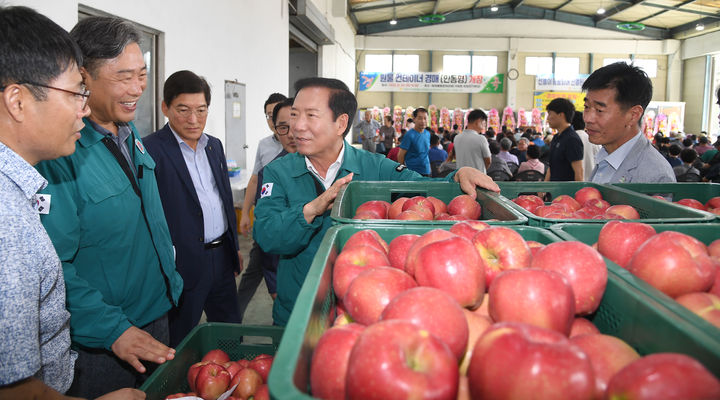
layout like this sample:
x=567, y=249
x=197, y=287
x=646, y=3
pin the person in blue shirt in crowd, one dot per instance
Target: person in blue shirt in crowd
x=416, y=144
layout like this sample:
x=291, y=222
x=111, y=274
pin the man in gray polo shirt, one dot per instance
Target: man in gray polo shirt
x=471, y=147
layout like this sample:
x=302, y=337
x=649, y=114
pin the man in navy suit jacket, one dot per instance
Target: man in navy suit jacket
x=195, y=191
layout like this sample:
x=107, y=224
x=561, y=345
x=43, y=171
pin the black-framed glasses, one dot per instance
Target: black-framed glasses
x=282, y=130
x=83, y=96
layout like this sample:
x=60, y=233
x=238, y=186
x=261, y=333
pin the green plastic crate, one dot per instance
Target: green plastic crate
x=705, y=343
x=637, y=318
x=701, y=192
x=171, y=377
x=652, y=211
x=358, y=192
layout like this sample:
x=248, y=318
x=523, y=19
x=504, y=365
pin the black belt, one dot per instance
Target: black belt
x=215, y=243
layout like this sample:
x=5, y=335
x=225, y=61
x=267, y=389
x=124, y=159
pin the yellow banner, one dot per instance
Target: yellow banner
x=541, y=99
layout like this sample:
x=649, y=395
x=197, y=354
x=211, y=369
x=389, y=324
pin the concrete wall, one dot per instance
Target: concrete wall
x=692, y=91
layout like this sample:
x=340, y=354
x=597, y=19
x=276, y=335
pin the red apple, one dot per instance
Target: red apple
x=442, y=217
x=608, y=215
x=624, y=210
x=440, y=206
x=529, y=202
x=483, y=308
x=477, y=325
x=193, y=372
x=396, y=207
x=366, y=237
x=248, y=381
x=534, y=246
x=212, y=380
x=217, y=356
x=584, y=213
x=692, y=203
x=714, y=249
x=543, y=211
x=372, y=290
x=465, y=206
x=452, y=265
x=715, y=289
x=597, y=203
x=330, y=361
x=583, y=267
x=607, y=354
x=243, y=363
x=232, y=368
x=399, y=248
x=706, y=305
x=429, y=237
x=421, y=205
x=500, y=249
x=377, y=206
x=667, y=376
x=587, y=193
x=351, y=262
x=713, y=203
x=367, y=214
x=458, y=217
x=262, y=364
x=572, y=204
x=469, y=228
x=619, y=240
x=674, y=263
x=538, y=297
x=714, y=210
x=397, y=360
x=435, y=311
x=411, y=215
x=582, y=326
x=520, y=361
x=263, y=393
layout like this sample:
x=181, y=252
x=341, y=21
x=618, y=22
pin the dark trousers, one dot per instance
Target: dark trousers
x=261, y=265
x=99, y=371
x=215, y=294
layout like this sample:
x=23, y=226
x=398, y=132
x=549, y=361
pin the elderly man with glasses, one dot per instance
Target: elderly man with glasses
x=194, y=186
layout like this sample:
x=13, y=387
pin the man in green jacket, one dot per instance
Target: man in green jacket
x=107, y=224
x=299, y=189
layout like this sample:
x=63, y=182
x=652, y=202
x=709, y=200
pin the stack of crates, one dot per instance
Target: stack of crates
x=631, y=309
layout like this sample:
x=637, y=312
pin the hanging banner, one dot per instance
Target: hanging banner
x=430, y=82
x=542, y=99
x=548, y=82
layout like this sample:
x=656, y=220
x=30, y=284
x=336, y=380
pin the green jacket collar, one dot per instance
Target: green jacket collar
x=90, y=137
x=351, y=163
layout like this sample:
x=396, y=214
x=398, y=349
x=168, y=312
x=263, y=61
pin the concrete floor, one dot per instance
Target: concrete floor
x=259, y=312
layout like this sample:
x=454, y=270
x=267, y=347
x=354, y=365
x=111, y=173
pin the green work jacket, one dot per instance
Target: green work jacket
x=111, y=261
x=280, y=227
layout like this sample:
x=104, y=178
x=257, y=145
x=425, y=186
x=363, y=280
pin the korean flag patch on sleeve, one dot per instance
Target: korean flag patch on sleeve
x=266, y=190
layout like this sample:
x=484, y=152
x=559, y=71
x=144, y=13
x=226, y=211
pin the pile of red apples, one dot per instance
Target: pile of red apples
x=215, y=375
x=460, y=208
x=712, y=205
x=415, y=321
x=587, y=203
x=677, y=264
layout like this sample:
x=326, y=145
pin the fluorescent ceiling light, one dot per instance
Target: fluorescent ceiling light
x=494, y=8
x=699, y=27
x=601, y=11
x=393, y=21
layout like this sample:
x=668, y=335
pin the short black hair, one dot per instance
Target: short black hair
x=631, y=83
x=688, y=155
x=703, y=140
x=182, y=82
x=274, y=98
x=475, y=115
x=103, y=38
x=562, y=106
x=674, y=150
x=494, y=147
x=341, y=100
x=34, y=49
x=434, y=139
x=533, y=152
x=285, y=103
x=389, y=118
x=687, y=142
x=578, y=122
x=419, y=110
x=455, y=126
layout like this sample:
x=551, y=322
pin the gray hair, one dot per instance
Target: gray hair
x=505, y=144
x=525, y=140
x=103, y=38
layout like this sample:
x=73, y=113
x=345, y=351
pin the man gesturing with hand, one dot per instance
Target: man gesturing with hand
x=298, y=190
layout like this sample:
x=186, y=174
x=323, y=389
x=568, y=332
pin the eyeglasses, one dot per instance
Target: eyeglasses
x=82, y=96
x=187, y=112
x=282, y=130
